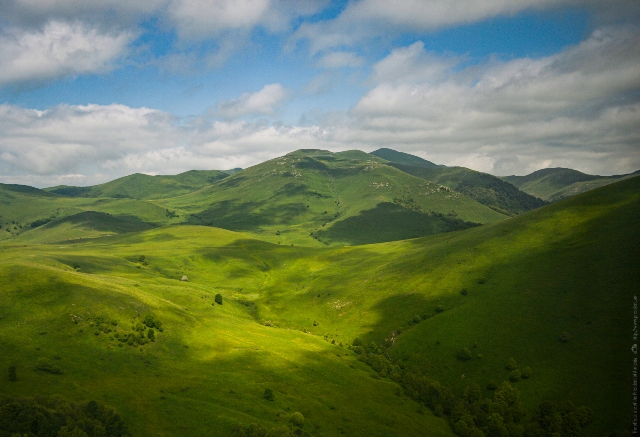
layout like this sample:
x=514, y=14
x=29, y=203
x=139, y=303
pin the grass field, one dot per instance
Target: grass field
x=505, y=290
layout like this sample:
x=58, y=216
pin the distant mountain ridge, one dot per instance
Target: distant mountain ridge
x=552, y=184
x=142, y=186
x=486, y=189
x=404, y=158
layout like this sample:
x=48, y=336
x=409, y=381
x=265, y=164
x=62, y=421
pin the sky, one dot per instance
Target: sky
x=92, y=91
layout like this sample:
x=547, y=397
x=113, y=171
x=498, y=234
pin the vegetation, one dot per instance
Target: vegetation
x=553, y=184
x=289, y=312
x=57, y=416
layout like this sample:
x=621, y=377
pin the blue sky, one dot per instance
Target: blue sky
x=93, y=91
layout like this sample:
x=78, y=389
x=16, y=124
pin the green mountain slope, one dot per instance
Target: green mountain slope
x=209, y=364
x=141, y=186
x=403, y=158
x=506, y=290
x=484, y=188
x=23, y=209
x=553, y=184
x=314, y=197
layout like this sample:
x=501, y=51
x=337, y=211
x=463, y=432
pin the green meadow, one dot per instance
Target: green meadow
x=551, y=289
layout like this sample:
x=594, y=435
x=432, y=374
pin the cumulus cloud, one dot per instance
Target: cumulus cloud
x=579, y=108
x=573, y=107
x=263, y=102
x=366, y=19
x=58, y=50
x=340, y=59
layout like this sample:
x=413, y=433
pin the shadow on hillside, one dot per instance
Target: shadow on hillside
x=100, y=221
x=388, y=222
x=247, y=216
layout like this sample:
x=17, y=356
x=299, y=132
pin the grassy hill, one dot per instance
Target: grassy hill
x=141, y=186
x=553, y=184
x=404, y=158
x=22, y=209
x=486, y=189
x=505, y=290
x=316, y=197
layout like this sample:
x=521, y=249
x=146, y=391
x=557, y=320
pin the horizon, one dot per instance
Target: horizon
x=90, y=93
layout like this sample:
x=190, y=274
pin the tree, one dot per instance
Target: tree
x=464, y=354
x=12, y=373
x=268, y=394
x=511, y=364
x=218, y=299
x=297, y=420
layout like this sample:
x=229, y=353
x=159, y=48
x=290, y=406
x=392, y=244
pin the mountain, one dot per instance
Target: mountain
x=484, y=188
x=403, y=158
x=314, y=197
x=141, y=186
x=431, y=321
x=553, y=184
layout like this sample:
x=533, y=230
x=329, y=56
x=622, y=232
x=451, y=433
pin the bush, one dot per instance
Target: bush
x=526, y=372
x=439, y=308
x=297, y=420
x=565, y=337
x=464, y=292
x=268, y=394
x=492, y=385
x=515, y=375
x=218, y=299
x=357, y=342
x=12, y=373
x=511, y=364
x=46, y=365
x=151, y=335
x=464, y=354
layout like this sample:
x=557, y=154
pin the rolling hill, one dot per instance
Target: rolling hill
x=404, y=158
x=549, y=289
x=315, y=197
x=141, y=186
x=486, y=189
x=553, y=184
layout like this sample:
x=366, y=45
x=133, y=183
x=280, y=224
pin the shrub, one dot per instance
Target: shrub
x=218, y=299
x=464, y=292
x=511, y=364
x=46, y=365
x=515, y=375
x=439, y=308
x=565, y=337
x=357, y=342
x=526, y=372
x=492, y=385
x=268, y=394
x=12, y=373
x=482, y=281
x=297, y=420
x=151, y=335
x=464, y=354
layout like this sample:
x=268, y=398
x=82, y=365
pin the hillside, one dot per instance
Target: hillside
x=403, y=158
x=552, y=184
x=511, y=289
x=23, y=209
x=486, y=189
x=141, y=186
x=315, y=197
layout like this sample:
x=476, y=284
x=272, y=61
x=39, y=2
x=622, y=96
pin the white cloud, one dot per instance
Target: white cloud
x=340, y=59
x=264, y=102
x=366, y=19
x=59, y=50
x=579, y=108
x=572, y=107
